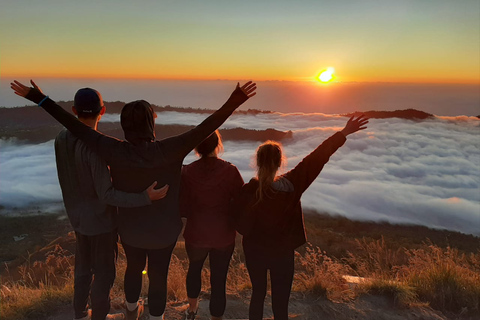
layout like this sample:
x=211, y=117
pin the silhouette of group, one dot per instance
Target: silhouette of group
x=108, y=187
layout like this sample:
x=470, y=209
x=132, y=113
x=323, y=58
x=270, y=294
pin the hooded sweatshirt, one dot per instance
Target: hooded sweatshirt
x=208, y=186
x=136, y=163
x=275, y=224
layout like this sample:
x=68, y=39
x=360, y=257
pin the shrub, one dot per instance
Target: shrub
x=321, y=275
x=448, y=280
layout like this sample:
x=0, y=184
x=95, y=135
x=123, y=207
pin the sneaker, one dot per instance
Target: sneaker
x=87, y=317
x=135, y=314
x=115, y=316
x=190, y=315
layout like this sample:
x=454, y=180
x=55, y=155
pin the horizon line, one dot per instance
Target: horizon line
x=300, y=80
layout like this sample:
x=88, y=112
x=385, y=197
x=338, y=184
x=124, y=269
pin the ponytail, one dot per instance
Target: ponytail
x=269, y=159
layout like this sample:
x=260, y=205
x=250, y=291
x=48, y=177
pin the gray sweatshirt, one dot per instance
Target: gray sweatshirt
x=89, y=197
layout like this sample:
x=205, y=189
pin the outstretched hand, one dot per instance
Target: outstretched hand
x=157, y=194
x=21, y=89
x=354, y=125
x=248, y=88
x=242, y=93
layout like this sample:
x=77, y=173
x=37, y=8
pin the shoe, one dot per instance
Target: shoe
x=115, y=316
x=190, y=315
x=87, y=317
x=135, y=314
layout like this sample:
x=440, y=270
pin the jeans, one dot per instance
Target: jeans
x=281, y=265
x=219, y=259
x=95, y=258
x=158, y=263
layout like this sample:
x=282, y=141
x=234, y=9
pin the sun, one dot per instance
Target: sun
x=327, y=75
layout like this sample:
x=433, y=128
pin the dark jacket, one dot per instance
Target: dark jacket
x=208, y=186
x=134, y=166
x=276, y=222
x=89, y=197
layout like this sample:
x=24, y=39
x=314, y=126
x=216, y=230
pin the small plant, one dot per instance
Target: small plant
x=321, y=275
x=401, y=293
x=448, y=280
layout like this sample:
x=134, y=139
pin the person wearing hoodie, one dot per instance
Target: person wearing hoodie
x=208, y=186
x=90, y=202
x=268, y=214
x=150, y=231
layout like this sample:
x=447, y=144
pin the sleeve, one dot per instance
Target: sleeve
x=105, y=191
x=184, y=194
x=108, y=148
x=309, y=168
x=241, y=208
x=237, y=181
x=184, y=143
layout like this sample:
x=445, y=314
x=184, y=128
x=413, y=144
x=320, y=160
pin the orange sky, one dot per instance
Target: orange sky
x=368, y=41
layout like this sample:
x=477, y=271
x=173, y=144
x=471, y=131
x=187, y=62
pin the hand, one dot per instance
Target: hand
x=243, y=93
x=34, y=94
x=21, y=89
x=248, y=88
x=354, y=125
x=157, y=194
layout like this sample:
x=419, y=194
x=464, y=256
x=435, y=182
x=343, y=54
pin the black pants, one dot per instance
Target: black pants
x=219, y=259
x=281, y=267
x=95, y=258
x=158, y=263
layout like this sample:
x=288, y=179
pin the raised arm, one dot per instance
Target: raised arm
x=309, y=168
x=107, y=147
x=192, y=138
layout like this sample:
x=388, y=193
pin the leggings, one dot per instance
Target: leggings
x=158, y=263
x=281, y=265
x=219, y=261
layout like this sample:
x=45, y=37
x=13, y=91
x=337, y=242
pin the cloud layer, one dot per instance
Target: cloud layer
x=397, y=170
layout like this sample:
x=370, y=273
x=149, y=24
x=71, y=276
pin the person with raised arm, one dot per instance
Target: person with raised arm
x=269, y=215
x=149, y=231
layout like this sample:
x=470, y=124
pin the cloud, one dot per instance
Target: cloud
x=28, y=174
x=397, y=170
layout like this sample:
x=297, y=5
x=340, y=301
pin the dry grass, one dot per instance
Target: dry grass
x=320, y=275
x=448, y=280
x=442, y=277
x=41, y=287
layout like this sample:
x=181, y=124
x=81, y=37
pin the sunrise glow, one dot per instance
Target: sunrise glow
x=327, y=75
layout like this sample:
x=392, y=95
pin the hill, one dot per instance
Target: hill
x=406, y=272
x=409, y=114
x=33, y=125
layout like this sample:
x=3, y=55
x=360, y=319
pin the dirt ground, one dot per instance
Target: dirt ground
x=301, y=307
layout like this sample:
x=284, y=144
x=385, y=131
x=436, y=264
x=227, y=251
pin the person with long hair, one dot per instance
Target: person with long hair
x=208, y=186
x=269, y=215
x=149, y=231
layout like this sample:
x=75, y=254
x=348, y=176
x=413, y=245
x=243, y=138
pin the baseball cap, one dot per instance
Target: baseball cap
x=88, y=100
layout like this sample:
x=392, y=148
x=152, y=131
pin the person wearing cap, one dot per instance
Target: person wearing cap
x=90, y=202
x=151, y=231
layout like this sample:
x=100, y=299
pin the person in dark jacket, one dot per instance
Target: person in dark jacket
x=149, y=231
x=90, y=201
x=208, y=186
x=269, y=216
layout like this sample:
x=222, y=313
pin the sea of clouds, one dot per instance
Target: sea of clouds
x=397, y=170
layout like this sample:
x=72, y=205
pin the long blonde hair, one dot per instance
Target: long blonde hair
x=269, y=158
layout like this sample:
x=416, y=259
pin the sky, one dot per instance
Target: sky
x=427, y=41
x=397, y=170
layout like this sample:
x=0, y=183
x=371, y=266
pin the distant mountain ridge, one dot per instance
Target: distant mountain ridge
x=33, y=125
x=409, y=114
